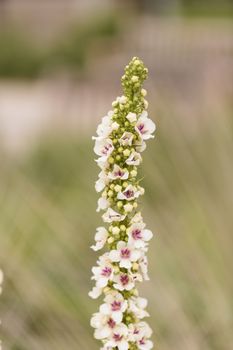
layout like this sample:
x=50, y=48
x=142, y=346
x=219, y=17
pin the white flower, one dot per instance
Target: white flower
x=143, y=264
x=126, y=139
x=123, y=281
x=140, y=146
x=102, y=181
x=102, y=204
x=103, y=324
x=104, y=272
x=132, y=117
x=111, y=215
x=138, y=235
x=114, y=306
x=104, y=128
x=95, y=292
x=119, y=338
x=137, y=306
x=100, y=238
x=129, y=193
x=145, y=344
x=103, y=148
x=134, y=158
x=144, y=332
x=139, y=333
x=145, y=126
x=137, y=218
x=118, y=173
x=124, y=254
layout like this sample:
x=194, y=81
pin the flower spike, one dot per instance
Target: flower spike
x=121, y=138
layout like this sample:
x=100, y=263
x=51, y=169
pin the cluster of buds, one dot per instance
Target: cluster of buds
x=121, y=137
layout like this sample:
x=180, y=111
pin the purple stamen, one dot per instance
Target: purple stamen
x=124, y=279
x=111, y=323
x=106, y=272
x=116, y=306
x=129, y=193
x=141, y=127
x=125, y=253
x=137, y=234
x=117, y=337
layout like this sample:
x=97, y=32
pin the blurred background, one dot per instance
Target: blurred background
x=60, y=68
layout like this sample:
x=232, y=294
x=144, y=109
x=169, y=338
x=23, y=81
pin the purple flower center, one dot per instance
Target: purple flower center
x=125, y=253
x=111, y=323
x=129, y=193
x=116, y=306
x=136, y=331
x=124, y=279
x=117, y=337
x=125, y=137
x=106, y=149
x=106, y=271
x=137, y=234
x=119, y=173
x=142, y=341
x=141, y=128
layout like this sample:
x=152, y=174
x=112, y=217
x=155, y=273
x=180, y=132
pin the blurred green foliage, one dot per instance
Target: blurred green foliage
x=189, y=8
x=20, y=56
x=48, y=220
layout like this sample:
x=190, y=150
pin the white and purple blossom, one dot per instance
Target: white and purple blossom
x=138, y=235
x=123, y=281
x=100, y=238
x=124, y=254
x=145, y=126
x=129, y=193
x=111, y=215
x=115, y=305
x=135, y=158
x=118, y=173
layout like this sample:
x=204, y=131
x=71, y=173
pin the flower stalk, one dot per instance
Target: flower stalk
x=121, y=138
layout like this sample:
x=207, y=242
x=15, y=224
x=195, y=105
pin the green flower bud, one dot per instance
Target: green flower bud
x=123, y=228
x=110, y=240
x=115, y=230
x=134, y=79
x=111, y=160
x=143, y=92
x=126, y=152
x=116, y=269
x=119, y=204
x=117, y=188
x=133, y=173
x=110, y=193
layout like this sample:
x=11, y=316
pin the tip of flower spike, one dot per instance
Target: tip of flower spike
x=135, y=74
